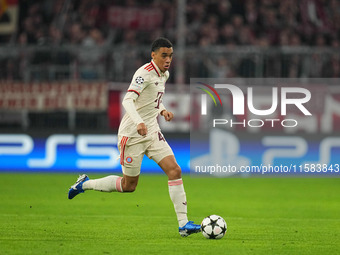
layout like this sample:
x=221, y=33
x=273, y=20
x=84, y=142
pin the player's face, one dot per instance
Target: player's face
x=162, y=57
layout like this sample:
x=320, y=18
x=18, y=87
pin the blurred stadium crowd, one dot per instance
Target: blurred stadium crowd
x=209, y=22
x=278, y=35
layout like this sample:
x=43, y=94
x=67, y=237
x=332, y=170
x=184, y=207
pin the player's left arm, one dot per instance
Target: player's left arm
x=168, y=116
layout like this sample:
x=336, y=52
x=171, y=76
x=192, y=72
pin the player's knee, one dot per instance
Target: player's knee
x=175, y=172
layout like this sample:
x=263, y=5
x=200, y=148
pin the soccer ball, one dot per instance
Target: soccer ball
x=213, y=227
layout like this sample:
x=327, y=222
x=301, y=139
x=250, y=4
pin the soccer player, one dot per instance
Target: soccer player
x=139, y=134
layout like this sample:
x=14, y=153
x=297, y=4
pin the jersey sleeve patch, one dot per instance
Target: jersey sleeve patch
x=139, y=80
x=137, y=84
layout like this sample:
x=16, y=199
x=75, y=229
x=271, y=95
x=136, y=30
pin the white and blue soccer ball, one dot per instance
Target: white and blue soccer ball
x=213, y=227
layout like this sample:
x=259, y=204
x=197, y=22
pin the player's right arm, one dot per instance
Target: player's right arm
x=142, y=129
x=129, y=106
x=136, y=87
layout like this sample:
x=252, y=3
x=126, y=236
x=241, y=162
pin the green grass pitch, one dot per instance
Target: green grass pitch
x=264, y=216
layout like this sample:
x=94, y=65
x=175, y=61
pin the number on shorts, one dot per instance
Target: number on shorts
x=160, y=137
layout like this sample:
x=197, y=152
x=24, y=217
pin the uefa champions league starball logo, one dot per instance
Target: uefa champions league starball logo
x=140, y=80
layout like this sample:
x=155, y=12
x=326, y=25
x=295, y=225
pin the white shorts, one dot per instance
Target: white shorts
x=132, y=150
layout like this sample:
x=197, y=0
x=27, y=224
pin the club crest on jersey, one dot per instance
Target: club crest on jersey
x=128, y=160
x=156, y=83
x=139, y=80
